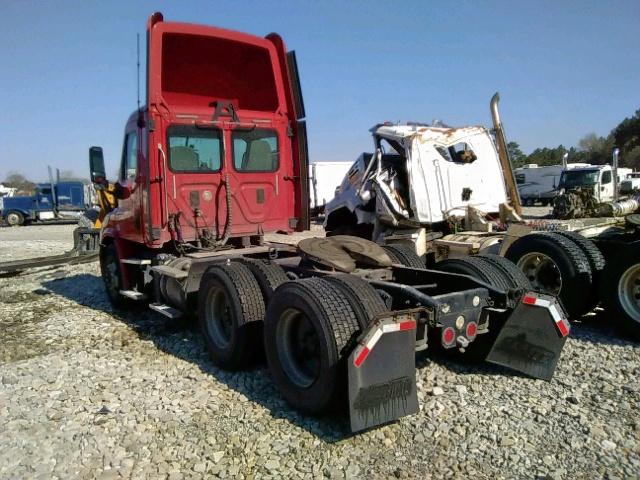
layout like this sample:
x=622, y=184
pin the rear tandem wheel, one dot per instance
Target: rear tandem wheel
x=309, y=326
x=230, y=312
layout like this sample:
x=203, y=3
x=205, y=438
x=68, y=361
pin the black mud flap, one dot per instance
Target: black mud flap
x=382, y=373
x=532, y=338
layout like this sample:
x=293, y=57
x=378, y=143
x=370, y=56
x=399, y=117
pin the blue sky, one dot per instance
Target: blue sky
x=563, y=69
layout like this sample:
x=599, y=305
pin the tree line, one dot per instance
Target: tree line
x=591, y=148
x=24, y=186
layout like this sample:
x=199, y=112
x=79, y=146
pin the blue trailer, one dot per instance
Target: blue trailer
x=61, y=201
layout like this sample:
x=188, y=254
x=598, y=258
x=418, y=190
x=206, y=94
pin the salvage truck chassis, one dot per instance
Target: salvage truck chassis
x=333, y=338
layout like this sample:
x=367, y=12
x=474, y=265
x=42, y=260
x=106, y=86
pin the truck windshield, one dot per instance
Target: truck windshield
x=578, y=178
x=192, y=149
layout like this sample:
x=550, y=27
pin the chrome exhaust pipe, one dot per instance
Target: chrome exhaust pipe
x=503, y=155
x=614, y=173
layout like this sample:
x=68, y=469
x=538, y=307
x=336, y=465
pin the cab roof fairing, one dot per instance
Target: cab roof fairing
x=446, y=135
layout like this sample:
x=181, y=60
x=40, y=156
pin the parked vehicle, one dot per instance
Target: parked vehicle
x=596, y=178
x=54, y=201
x=6, y=192
x=630, y=184
x=540, y=183
x=442, y=193
x=324, y=180
x=216, y=158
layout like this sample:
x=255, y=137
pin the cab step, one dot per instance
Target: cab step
x=170, y=272
x=133, y=295
x=136, y=261
x=166, y=310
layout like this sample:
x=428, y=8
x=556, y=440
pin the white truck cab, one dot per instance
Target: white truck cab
x=419, y=176
x=599, y=178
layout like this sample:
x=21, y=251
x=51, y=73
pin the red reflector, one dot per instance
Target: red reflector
x=562, y=326
x=472, y=329
x=448, y=336
x=361, y=357
x=529, y=300
x=409, y=325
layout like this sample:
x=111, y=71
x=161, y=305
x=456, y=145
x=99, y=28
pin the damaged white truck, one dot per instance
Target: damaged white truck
x=438, y=196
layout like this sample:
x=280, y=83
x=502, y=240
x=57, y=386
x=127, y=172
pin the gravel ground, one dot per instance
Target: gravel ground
x=87, y=392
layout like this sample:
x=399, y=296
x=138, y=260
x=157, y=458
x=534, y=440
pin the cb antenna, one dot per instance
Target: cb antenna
x=138, y=65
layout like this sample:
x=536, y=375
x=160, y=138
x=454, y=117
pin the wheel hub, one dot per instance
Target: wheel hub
x=629, y=292
x=542, y=272
x=298, y=348
x=219, y=318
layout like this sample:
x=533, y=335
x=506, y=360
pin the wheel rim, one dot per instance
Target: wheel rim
x=219, y=320
x=542, y=272
x=298, y=348
x=13, y=219
x=629, y=292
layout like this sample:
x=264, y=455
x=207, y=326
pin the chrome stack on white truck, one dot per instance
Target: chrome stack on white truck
x=450, y=194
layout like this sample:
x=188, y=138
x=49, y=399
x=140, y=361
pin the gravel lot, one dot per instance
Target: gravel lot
x=89, y=392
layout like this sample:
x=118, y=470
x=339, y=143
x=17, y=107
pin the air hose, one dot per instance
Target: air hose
x=227, y=226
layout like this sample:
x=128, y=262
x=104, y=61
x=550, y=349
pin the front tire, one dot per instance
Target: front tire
x=14, y=219
x=111, y=272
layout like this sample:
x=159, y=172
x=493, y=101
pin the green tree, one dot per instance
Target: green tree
x=518, y=158
x=20, y=182
x=627, y=138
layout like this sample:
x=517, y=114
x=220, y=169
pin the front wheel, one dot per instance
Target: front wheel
x=14, y=219
x=112, y=275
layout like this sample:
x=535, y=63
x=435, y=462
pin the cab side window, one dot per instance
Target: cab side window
x=130, y=156
x=606, y=177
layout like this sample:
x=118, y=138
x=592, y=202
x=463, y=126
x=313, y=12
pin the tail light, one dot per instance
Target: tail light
x=448, y=336
x=472, y=330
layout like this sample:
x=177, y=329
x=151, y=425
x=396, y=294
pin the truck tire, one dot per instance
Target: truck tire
x=112, y=276
x=14, y=218
x=230, y=313
x=556, y=265
x=363, y=297
x=620, y=291
x=269, y=275
x=514, y=275
x=477, y=268
x=404, y=255
x=308, y=327
x=589, y=248
x=490, y=273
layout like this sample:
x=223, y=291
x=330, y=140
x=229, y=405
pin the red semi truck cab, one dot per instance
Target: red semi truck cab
x=219, y=152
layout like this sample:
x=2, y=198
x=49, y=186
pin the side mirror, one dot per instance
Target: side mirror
x=96, y=165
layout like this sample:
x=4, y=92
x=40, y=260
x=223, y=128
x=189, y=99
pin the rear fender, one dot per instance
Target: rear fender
x=533, y=336
x=381, y=372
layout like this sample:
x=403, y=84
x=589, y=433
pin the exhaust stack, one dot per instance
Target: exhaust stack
x=614, y=173
x=503, y=154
